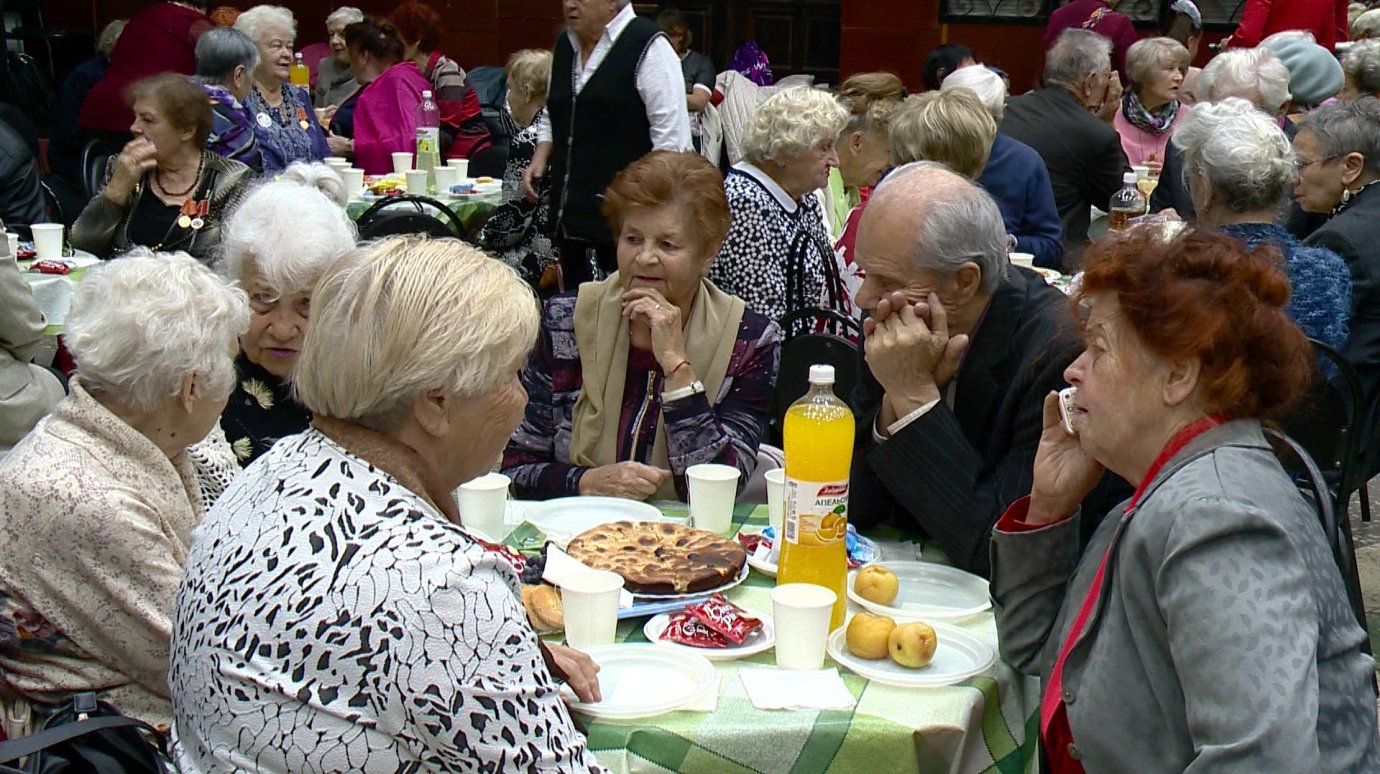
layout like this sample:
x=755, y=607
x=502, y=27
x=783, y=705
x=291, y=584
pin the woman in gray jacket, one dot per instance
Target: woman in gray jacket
x=1206, y=626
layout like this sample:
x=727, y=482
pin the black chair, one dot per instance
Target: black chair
x=407, y=214
x=1368, y=465
x=95, y=159
x=1326, y=424
x=52, y=204
x=816, y=346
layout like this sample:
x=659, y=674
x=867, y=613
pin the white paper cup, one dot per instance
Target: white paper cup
x=800, y=613
x=402, y=162
x=416, y=182
x=337, y=161
x=445, y=178
x=482, y=502
x=776, y=499
x=1023, y=259
x=1142, y=171
x=354, y=180
x=713, y=488
x=462, y=165
x=47, y=240
x=590, y=602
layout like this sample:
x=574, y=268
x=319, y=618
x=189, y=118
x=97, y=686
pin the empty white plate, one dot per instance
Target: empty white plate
x=932, y=592
x=639, y=681
x=958, y=656
x=756, y=642
x=566, y=517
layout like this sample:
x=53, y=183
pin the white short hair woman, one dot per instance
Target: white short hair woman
x=778, y=256
x=343, y=553
x=100, y=499
x=285, y=124
x=982, y=81
x=335, y=81
x=1361, y=70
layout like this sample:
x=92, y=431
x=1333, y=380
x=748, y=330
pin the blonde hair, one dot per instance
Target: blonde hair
x=791, y=122
x=1147, y=55
x=870, y=99
x=403, y=316
x=950, y=126
x=529, y=70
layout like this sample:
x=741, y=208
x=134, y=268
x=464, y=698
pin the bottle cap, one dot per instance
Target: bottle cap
x=426, y=94
x=821, y=374
x=1129, y=177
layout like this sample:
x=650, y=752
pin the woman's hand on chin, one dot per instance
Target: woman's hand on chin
x=629, y=480
x=663, y=318
x=1064, y=473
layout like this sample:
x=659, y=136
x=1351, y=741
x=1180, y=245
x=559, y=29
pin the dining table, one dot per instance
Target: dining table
x=470, y=209
x=53, y=292
x=986, y=723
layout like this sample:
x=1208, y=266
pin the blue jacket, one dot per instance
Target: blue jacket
x=1319, y=281
x=1016, y=177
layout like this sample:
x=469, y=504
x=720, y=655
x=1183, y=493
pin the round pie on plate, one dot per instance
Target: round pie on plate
x=659, y=557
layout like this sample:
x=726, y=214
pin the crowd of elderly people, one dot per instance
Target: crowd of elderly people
x=243, y=494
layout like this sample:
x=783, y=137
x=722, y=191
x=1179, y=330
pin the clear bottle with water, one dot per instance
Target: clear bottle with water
x=428, y=138
x=1127, y=203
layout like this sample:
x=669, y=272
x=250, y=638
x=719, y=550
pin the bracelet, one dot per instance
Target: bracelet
x=679, y=366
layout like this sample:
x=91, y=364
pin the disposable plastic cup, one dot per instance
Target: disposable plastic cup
x=337, y=161
x=1023, y=259
x=590, y=603
x=713, y=488
x=445, y=178
x=416, y=182
x=800, y=613
x=776, y=499
x=463, y=165
x=402, y=162
x=47, y=240
x=482, y=502
x=354, y=180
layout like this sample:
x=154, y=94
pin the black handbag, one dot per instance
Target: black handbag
x=88, y=736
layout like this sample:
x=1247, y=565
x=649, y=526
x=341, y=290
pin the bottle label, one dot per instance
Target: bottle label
x=816, y=512
x=428, y=141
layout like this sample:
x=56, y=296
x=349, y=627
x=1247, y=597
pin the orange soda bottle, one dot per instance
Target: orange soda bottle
x=299, y=74
x=819, y=454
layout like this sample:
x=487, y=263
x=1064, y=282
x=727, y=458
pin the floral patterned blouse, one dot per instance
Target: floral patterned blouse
x=260, y=411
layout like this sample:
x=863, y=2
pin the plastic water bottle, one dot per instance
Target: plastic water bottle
x=1127, y=203
x=428, y=138
x=299, y=74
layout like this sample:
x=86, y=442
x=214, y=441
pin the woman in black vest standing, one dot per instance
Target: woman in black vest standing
x=616, y=93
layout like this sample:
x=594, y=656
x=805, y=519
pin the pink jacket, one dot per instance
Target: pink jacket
x=1140, y=144
x=385, y=117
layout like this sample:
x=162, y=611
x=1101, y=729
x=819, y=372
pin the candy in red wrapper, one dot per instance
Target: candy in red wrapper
x=749, y=541
x=685, y=629
x=725, y=618
x=50, y=267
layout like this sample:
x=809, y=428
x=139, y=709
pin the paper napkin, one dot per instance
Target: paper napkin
x=769, y=688
x=560, y=564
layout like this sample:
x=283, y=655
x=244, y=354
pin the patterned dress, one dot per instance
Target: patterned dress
x=519, y=232
x=331, y=619
x=286, y=133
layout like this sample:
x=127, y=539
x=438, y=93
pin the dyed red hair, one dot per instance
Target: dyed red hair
x=1208, y=296
x=417, y=22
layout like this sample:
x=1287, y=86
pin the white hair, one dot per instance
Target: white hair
x=1252, y=74
x=1366, y=22
x=791, y=122
x=140, y=323
x=289, y=232
x=346, y=14
x=957, y=222
x=320, y=176
x=1361, y=64
x=1287, y=36
x=1075, y=55
x=404, y=316
x=1242, y=151
x=982, y=81
x=262, y=18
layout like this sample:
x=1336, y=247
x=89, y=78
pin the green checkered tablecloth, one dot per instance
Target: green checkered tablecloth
x=985, y=724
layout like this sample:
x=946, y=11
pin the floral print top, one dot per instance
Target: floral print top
x=260, y=411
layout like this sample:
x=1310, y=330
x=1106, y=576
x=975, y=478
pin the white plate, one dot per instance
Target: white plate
x=957, y=657
x=564, y=518
x=930, y=591
x=756, y=642
x=742, y=576
x=639, y=681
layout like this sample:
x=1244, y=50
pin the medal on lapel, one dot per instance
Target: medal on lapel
x=264, y=120
x=184, y=219
x=302, y=118
x=202, y=209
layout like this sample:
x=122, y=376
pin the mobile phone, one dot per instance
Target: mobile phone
x=1066, y=409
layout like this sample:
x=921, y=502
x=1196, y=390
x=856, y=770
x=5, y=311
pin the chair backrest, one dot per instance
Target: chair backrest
x=793, y=377
x=95, y=158
x=1325, y=423
x=803, y=321
x=407, y=214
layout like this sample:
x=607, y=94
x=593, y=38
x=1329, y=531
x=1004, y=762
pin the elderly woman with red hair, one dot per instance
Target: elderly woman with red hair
x=464, y=135
x=1206, y=626
x=638, y=377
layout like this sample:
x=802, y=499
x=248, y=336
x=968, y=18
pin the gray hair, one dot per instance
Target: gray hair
x=982, y=81
x=1347, y=127
x=1252, y=74
x=1361, y=65
x=1147, y=55
x=791, y=122
x=963, y=225
x=1242, y=151
x=219, y=51
x=1366, y=22
x=142, y=322
x=345, y=14
x=1075, y=55
x=290, y=232
x=110, y=35
x=320, y=176
x=261, y=18
x=403, y=316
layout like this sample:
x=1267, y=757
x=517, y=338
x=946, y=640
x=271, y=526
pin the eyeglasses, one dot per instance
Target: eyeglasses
x=1302, y=165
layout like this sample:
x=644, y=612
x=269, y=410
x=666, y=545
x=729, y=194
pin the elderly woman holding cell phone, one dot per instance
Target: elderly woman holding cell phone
x=165, y=191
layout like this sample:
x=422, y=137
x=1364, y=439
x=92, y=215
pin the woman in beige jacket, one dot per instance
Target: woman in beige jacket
x=99, y=501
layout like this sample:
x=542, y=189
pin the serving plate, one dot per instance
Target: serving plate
x=742, y=576
x=564, y=518
x=934, y=592
x=640, y=681
x=756, y=642
x=958, y=656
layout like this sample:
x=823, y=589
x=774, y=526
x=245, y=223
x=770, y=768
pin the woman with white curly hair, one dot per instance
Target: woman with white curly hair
x=100, y=499
x=285, y=124
x=778, y=256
